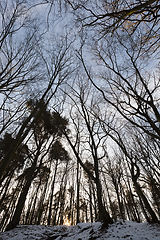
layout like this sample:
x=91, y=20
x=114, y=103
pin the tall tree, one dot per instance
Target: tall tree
x=92, y=141
x=46, y=127
x=57, y=74
x=58, y=153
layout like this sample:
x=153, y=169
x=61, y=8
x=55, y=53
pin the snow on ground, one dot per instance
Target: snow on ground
x=120, y=230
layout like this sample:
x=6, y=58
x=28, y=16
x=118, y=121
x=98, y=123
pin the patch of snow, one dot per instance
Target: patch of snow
x=120, y=230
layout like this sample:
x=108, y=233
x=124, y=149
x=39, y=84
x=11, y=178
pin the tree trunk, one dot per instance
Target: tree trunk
x=95, y=201
x=41, y=205
x=32, y=206
x=51, y=197
x=78, y=187
x=103, y=214
x=90, y=200
x=6, y=186
x=141, y=195
x=154, y=218
x=21, y=200
x=135, y=211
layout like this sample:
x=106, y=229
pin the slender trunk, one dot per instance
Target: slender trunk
x=90, y=200
x=132, y=204
x=58, y=206
x=44, y=221
x=78, y=188
x=62, y=205
x=86, y=213
x=95, y=201
x=63, y=193
x=32, y=207
x=29, y=211
x=51, y=197
x=126, y=206
x=134, y=207
x=56, y=209
x=6, y=186
x=114, y=214
x=70, y=214
x=41, y=205
x=141, y=195
x=7, y=214
x=21, y=200
x=119, y=202
x=154, y=218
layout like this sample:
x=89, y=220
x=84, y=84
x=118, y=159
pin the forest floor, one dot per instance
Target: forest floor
x=121, y=230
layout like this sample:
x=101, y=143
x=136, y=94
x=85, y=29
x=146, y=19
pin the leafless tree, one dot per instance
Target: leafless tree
x=89, y=138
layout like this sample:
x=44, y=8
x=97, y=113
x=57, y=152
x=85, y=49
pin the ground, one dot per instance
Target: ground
x=121, y=230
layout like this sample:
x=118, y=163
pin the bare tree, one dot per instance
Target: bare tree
x=106, y=17
x=58, y=73
x=89, y=141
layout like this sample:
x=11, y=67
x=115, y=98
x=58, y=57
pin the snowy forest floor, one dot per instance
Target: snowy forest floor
x=120, y=230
